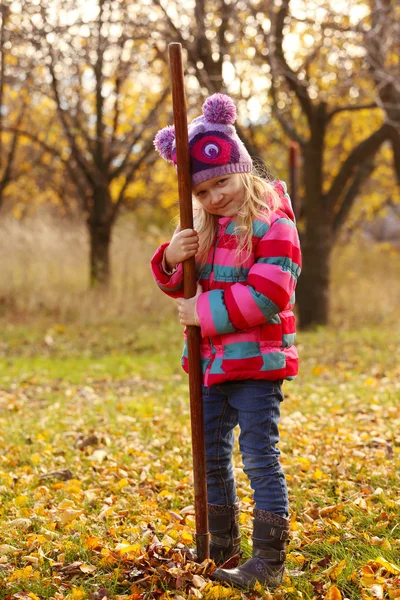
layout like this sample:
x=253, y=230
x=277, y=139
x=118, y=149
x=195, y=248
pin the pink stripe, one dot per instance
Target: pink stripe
x=274, y=273
x=205, y=316
x=283, y=232
x=251, y=335
x=227, y=256
x=291, y=353
x=247, y=305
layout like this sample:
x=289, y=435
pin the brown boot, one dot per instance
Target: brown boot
x=267, y=563
x=223, y=522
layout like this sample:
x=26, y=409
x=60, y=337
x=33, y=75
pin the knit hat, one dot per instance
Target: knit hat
x=214, y=145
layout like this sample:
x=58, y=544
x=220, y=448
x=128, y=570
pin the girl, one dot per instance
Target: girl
x=248, y=261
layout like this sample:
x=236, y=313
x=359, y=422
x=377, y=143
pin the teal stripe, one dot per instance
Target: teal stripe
x=288, y=339
x=260, y=228
x=203, y=272
x=219, y=313
x=216, y=368
x=284, y=262
x=231, y=228
x=170, y=289
x=204, y=364
x=267, y=307
x=241, y=350
x=293, y=298
x=227, y=273
x=286, y=222
x=275, y=320
x=204, y=361
x=273, y=361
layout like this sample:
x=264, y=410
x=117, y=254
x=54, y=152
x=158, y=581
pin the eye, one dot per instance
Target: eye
x=211, y=150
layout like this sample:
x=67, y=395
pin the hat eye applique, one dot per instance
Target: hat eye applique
x=213, y=150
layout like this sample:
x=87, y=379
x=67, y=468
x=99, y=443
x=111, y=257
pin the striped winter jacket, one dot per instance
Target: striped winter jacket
x=245, y=311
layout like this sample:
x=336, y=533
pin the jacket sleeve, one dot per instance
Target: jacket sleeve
x=172, y=285
x=269, y=290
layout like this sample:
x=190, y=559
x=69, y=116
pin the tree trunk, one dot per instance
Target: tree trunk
x=100, y=238
x=317, y=242
x=313, y=287
x=100, y=222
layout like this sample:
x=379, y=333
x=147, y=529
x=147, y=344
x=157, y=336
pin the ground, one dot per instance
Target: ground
x=95, y=469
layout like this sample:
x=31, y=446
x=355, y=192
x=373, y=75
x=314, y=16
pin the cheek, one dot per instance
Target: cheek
x=239, y=196
x=205, y=204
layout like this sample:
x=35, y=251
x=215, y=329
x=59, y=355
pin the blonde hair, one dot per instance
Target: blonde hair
x=261, y=201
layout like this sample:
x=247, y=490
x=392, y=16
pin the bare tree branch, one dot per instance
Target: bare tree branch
x=350, y=107
x=77, y=154
x=133, y=167
x=7, y=175
x=361, y=153
x=296, y=85
x=150, y=116
x=364, y=171
x=98, y=72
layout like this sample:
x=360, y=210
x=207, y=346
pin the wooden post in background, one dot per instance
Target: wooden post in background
x=190, y=285
x=294, y=178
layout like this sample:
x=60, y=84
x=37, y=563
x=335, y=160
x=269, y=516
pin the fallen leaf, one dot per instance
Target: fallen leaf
x=7, y=549
x=86, y=568
x=61, y=474
x=336, y=569
x=20, y=523
x=98, y=455
x=394, y=569
x=333, y=594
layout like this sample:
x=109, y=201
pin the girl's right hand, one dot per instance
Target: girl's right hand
x=183, y=245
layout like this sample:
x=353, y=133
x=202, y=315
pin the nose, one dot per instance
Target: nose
x=216, y=197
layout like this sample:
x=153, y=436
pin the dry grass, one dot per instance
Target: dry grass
x=44, y=271
x=365, y=285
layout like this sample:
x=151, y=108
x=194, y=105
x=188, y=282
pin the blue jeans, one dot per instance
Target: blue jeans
x=255, y=406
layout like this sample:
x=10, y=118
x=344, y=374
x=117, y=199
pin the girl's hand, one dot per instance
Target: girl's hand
x=187, y=308
x=183, y=245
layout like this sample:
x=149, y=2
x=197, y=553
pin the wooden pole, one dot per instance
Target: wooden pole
x=294, y=180
x=190, y=285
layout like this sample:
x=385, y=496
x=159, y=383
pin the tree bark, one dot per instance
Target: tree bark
x=317, y=241
x=100, y=224
x=100, y=241
x=313, y=286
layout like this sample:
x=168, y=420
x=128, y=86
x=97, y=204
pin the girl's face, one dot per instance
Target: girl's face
x=222, y=196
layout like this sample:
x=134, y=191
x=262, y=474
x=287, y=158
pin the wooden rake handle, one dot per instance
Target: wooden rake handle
x=190, y=284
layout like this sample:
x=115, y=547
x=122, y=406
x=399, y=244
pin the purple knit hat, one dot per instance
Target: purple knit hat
x=215, y=147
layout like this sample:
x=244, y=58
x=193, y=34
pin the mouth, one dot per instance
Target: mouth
x=223, y=207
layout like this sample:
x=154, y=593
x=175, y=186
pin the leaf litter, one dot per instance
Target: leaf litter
x=96, y=487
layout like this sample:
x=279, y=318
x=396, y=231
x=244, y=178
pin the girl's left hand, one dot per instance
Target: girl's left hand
x=187, y=308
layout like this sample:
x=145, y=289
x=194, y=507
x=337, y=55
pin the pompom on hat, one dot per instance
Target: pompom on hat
x=214, y=145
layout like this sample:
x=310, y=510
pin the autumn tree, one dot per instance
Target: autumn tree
x=14, y=82
x=310, y=88
x=382, y=43
x=93, y=67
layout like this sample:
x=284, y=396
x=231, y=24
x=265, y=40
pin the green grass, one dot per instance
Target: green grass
x=123, y=384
